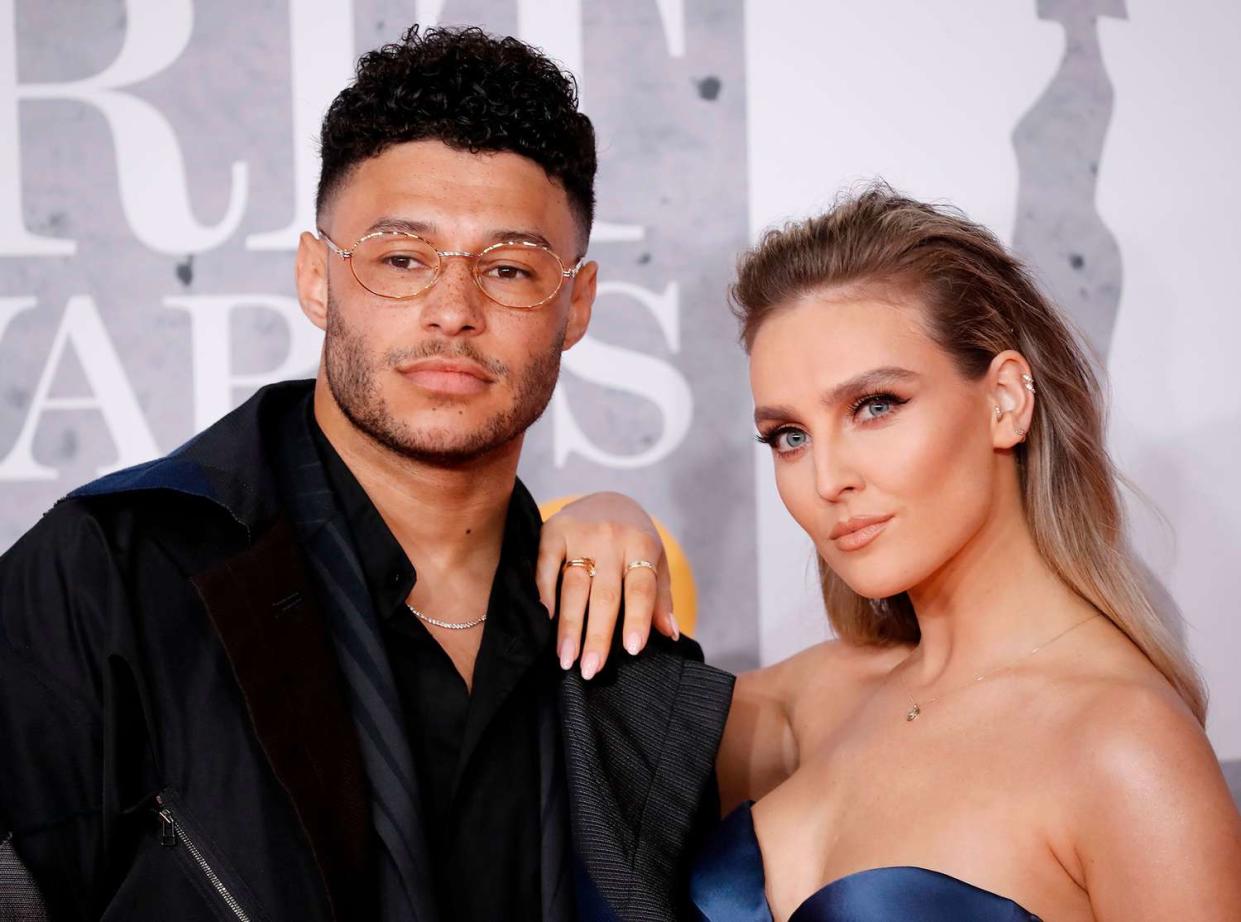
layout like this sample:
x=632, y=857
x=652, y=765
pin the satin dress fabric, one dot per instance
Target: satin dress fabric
x=727, y=884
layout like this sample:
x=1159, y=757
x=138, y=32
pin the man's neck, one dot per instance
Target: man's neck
x=446, y=518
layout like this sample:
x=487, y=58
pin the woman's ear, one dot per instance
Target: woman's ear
x=311, y=277
x=1012, y=390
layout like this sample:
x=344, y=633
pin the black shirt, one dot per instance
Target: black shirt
x=476, y=755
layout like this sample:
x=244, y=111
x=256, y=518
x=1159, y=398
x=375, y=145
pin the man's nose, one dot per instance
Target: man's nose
x=454, y=305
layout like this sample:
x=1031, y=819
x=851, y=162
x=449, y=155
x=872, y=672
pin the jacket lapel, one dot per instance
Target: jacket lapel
x=374, y=701
x=263, y=611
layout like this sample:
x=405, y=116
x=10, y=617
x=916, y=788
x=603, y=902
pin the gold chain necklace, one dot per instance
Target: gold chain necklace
x=913, y=713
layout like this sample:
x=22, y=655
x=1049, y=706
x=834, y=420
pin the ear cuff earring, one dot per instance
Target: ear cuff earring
x=1028, y=381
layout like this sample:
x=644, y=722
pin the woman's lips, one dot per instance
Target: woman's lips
x=859, y=531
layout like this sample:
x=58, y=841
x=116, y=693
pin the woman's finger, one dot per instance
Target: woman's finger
x=605, y=598
x=640, y=586
x=574, y=594
x=547, y=569
x=665, y=620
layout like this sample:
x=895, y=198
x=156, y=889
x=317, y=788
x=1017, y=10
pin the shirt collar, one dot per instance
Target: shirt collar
x=390, y=576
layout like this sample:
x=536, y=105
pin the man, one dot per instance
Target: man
x=298, y=669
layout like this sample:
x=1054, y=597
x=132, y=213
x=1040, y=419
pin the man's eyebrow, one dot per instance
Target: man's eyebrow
x=427, y=229
x=520, y=236
x=402, y=225
x=866, y=382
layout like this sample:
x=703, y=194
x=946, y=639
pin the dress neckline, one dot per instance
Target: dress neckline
x=739, y=846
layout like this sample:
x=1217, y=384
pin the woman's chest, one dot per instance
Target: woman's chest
x=973, y=799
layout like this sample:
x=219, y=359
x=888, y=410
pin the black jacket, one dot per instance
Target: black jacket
x=174, y=737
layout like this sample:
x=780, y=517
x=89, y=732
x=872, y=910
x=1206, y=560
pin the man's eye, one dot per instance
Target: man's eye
x=508, y=273
x=404, y=262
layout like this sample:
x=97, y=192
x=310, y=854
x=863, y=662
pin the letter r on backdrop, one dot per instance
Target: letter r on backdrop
x=149, y=165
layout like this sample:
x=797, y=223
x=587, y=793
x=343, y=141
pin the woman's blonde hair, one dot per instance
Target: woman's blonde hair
x=979, y=301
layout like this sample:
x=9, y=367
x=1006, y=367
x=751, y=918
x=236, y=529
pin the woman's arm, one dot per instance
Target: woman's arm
x=1158, y=836
x=758, y=750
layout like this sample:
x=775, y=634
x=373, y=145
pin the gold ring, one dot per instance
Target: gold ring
x=587, y=562
x=639, y=565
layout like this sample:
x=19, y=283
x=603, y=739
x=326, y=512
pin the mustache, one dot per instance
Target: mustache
x=436, y=348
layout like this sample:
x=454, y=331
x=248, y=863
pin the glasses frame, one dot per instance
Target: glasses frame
x=441, y=255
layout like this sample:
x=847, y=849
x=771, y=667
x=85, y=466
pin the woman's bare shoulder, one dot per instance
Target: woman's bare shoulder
x=834, y=670
x=1145, y=798
x=780, y=708
x=1120, y=721
x=1113, y=692
x=1128, y=752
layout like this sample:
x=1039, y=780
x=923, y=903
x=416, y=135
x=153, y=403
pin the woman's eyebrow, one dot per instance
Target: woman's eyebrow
x=875, y=379
x=867, y=381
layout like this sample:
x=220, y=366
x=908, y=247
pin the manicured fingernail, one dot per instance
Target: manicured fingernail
x=590, y=665
x=676, y=628
x=633, y=643
x=566, y=653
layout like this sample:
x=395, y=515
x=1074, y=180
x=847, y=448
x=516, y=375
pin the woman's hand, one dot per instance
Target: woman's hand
x=614, y=531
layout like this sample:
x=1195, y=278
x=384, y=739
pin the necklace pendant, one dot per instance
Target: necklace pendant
x=913, y=712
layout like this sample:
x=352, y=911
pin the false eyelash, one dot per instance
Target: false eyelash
x=769, y=439
x=887, y=398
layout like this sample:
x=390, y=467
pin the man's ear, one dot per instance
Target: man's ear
x=311, y=276
x=581, y=302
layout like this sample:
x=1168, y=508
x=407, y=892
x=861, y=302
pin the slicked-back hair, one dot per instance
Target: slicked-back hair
x=470, y=91
x=978, y=300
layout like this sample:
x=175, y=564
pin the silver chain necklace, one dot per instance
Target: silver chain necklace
x=449, y=625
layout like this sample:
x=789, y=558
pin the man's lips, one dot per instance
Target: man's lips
x=855, y=533
x=450, y=376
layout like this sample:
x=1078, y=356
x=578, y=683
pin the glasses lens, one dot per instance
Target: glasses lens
x=395, y=265
x=519, y=276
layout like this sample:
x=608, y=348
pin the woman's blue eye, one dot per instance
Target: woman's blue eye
x=875, y=406
x=789, y=440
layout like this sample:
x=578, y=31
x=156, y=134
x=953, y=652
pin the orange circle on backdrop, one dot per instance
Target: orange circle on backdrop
x=684, y=593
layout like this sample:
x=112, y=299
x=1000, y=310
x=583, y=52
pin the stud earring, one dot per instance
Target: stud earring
x=1021, y=433
x=998, y=413
x=1029, y=383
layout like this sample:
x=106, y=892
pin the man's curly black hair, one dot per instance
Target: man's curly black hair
x=471, y=91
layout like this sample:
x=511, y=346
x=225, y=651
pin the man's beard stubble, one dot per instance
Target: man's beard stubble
x=352, y=380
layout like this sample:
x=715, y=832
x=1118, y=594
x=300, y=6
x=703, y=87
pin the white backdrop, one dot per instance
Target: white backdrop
x=929, y=95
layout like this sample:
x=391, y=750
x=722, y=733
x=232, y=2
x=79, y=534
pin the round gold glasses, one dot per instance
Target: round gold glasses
x=401, y=265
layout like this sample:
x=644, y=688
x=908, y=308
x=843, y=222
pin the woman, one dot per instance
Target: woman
x=1004, y=728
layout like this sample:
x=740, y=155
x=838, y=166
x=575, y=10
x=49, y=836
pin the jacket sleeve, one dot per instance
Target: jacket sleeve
x=640, y=742
x=56, y=584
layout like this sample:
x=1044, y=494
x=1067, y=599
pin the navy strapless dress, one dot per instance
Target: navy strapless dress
x=728, y=885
